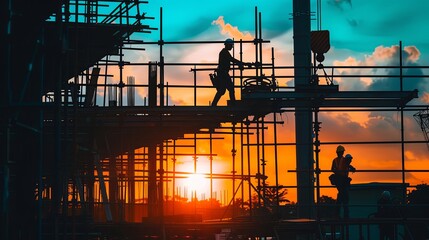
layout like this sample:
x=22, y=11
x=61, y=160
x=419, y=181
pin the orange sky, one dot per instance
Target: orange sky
x=337, y=127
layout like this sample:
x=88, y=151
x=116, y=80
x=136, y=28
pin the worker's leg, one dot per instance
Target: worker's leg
x=216, y=98
x=222, y=86
x=338, y=203
x=346, y=201
x=220, y=92
x=230, y=87
x=342, y=197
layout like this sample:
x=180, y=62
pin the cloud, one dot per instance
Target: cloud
x=197, y=53
x=378, y=126
x=425, y=98
x=382, y=125
x=353, y=22
x=231, y=31
x=207, y=53
x=203, y=53
x=382, y=53
x=383, y=56
x=389, y=56
x=373, y=123
x=341, y=4
x=413, y=53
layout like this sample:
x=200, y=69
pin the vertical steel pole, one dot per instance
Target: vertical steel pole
x=152, y=148
x=152, y=189
x=241, y=59
x=113, y=186
x=242, y=162
x=131, y=184
x=276, y=163
x=233, y=152
x=121, y=73
x=257, y=63
x=195, y=171
x=260, y=44
x=258, y=159
x=161, y=181
x=5, y=120
x=174, y=174
x=404, y=195
x=167, y=175
x=195, y=85
x=40, y=147
x=303, y=115
x=316, y=151
x=161, y=62
x=152, y=84
x=263, y=160
x=59, y=183
x=211, y=168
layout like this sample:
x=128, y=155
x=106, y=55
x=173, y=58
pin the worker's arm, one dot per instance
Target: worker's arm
x=334, y=167
x=238, y=62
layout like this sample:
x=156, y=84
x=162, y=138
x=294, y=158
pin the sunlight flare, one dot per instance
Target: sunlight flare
x=198, y=183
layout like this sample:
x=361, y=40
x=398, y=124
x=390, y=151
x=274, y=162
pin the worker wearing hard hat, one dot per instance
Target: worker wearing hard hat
x=341, y=165
x=385, y=209
x=224, y=80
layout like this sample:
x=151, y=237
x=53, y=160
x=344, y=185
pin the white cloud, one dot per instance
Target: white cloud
x=231, y=31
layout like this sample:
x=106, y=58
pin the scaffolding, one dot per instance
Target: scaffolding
x=108, y=162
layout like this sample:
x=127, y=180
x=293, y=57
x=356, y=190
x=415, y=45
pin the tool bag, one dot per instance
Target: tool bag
x=214, y=79
x=333, y=179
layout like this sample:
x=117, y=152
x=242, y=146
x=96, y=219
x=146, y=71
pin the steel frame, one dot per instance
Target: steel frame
x=147, y=171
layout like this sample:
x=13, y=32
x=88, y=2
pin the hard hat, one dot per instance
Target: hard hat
x=229, y=41
x=348, y=156
x=340, y=148
x=385, y=194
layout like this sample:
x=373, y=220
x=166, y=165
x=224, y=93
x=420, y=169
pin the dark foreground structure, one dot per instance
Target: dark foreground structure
x=75, y=168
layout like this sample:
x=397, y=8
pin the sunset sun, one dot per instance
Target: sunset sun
x=198, y=183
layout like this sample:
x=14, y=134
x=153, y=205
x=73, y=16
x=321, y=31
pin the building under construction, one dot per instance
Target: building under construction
x=82, y=159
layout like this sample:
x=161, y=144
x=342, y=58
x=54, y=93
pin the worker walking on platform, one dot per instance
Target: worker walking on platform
x=341, y=167
x=224, y=80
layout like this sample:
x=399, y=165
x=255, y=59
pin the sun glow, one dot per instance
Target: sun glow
x=198, y=183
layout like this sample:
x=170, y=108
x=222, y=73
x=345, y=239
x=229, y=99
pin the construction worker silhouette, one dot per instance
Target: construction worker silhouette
x=385, y=209
x=224, y=80
x=341, y=167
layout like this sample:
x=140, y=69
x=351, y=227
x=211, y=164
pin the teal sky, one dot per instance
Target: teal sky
x=357, y=25
x=362, y=32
